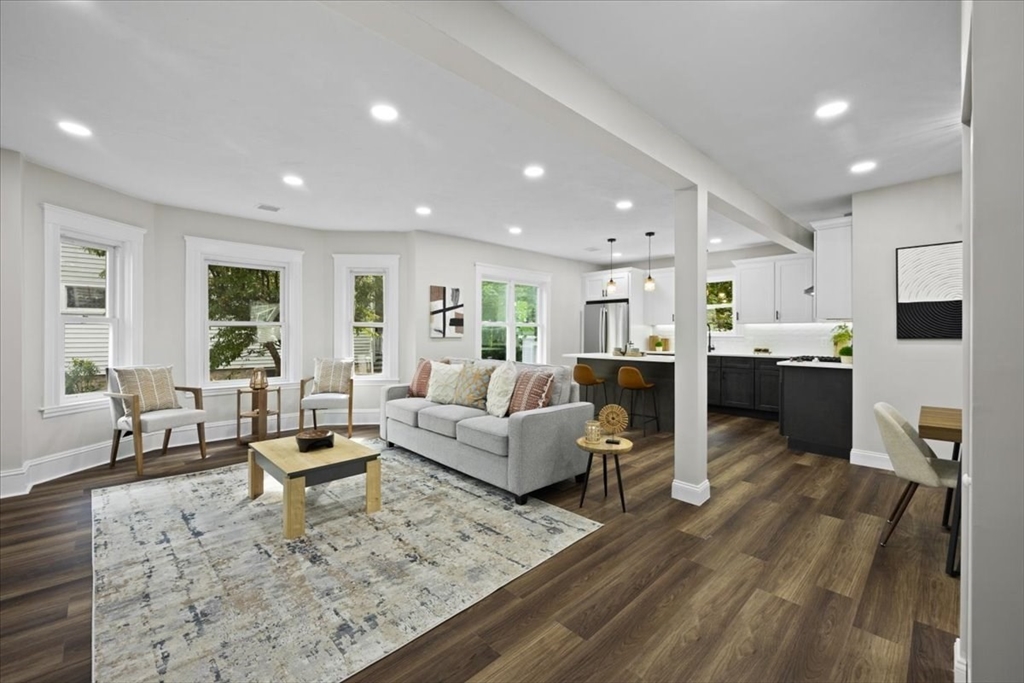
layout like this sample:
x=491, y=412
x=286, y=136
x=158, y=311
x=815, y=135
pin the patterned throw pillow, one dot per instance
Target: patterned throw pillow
x=499, y=391
x=154, y=386
x=471, y=391
x=421, y=379
x=331, y=376
x=443, y=380
x=533, y=390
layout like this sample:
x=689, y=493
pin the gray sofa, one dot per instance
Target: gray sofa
x=519, y=453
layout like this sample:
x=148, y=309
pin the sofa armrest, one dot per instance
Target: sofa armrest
x=390, y=393
x=542, y=445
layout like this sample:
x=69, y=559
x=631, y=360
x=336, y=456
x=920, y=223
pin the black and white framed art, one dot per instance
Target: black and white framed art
x=930, y=291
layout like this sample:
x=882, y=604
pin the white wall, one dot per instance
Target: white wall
x=11, y=290
x=83, y=439
x=451, y=261
x=994, y=543
x=906, y=373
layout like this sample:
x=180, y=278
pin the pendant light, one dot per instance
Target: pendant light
x=649, y=285
x=610, y=287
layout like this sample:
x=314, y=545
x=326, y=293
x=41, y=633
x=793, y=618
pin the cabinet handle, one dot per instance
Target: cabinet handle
x=776, y=315
x=737, y=316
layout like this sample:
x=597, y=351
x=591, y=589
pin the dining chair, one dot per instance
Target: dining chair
x=912, y=459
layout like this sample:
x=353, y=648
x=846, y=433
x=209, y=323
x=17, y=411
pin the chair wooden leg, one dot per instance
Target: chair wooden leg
x=901, y=507
x=350, y=416
x=137, y=440
x=302, y=418
x=899, y=503
x=314, y=419
x=113, y=447
x=201, y=428
x=167, y=441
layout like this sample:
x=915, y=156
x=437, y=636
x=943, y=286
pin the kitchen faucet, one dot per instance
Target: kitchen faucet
x=711, y=347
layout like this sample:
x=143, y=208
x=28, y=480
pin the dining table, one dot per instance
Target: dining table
x=946, y=424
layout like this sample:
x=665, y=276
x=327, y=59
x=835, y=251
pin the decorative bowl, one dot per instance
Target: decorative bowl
x=312, y=439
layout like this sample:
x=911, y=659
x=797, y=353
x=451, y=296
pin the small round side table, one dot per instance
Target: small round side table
x=604, y=450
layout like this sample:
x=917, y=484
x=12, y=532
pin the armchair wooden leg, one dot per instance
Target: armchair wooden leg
x=302, y=417
x=167, y=441
x=201, y=428
x=137, y=440
x=314, y=419
x=113, y=447
x=901, y=507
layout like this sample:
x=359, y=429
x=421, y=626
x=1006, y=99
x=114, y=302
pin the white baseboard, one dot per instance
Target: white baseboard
x=689, y=493
x=959, y=663
x=879, y=461
x=18, y=482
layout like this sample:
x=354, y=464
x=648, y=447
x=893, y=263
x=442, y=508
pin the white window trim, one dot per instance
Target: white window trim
x=486, y=271
x=201, y=252
x=721, y=275
x=345, y=266
x=126, y=281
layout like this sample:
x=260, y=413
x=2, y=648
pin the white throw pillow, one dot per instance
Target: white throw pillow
x=443, y=380
x=499, y=391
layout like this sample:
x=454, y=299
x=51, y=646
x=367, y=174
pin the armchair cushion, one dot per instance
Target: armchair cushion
x=331, y=376
x=324, y=401
x=156, y=420
x=153, y=385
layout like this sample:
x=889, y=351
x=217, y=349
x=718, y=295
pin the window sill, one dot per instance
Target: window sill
x=374, y=380
x=74, y=408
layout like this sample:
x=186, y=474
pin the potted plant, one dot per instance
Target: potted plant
x=842, y=335
x=846, y=354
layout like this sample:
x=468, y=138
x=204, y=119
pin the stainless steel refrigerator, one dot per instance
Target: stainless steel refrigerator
x=605, y=326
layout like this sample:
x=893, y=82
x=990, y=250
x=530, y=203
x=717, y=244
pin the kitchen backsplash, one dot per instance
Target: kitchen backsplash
x=791, y=339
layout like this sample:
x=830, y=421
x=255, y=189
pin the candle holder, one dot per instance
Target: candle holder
x=594, y=432
x=259, y=380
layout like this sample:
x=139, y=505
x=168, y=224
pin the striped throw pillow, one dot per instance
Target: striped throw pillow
x=331, y=376
x=533, y=390
x=420, y=379
x=154, y=387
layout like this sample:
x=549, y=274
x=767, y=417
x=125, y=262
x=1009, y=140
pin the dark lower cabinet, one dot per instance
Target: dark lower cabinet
x=714, y=381
x=737, y=387
x=766, y=386
x=817, y=409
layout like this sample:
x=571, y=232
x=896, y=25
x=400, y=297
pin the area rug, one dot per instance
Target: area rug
x=192, y=581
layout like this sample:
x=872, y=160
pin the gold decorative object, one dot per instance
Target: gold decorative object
x=259, y=379
x=614, y=419
x=594, y=431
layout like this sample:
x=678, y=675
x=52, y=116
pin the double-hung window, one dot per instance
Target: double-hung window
x=366, y=290
x=93, y=290
x=243, y=312
x=720, y=302
x=513, y=314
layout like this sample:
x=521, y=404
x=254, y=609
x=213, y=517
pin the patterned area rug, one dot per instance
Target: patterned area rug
x=192, y=581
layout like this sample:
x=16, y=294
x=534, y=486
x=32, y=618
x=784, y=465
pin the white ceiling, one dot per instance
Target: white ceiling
x=741, y=81
x=207, y=105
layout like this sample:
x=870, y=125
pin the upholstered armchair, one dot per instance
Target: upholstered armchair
x=331, y=389
x=143, y=399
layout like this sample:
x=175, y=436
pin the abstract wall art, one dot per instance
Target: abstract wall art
x=930, y=291
x=446, y=313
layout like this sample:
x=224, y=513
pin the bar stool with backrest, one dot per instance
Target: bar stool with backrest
x=584, y=376
x=631, y=380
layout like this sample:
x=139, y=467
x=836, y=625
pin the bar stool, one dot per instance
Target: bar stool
x=631, y=380
x=585, y=377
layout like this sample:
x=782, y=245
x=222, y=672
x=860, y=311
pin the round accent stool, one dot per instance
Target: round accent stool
x=604, y=449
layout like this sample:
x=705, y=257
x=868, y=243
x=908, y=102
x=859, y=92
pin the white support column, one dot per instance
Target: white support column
x=691, y=399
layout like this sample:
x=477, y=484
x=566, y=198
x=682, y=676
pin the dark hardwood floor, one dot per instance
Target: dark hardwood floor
x=779, y=577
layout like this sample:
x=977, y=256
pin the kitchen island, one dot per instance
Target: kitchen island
x=817, y=407
x=659, y=369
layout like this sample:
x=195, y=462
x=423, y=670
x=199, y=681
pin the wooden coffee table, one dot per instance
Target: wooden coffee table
x=605, y=449
x=295, y=470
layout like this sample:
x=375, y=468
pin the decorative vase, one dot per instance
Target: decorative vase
x=593, y=431
x=848, y=360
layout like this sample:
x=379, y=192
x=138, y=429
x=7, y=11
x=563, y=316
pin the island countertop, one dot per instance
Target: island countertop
x=625, y=359
x=817, y=365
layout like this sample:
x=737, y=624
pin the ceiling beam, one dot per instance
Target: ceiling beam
x=486, y=45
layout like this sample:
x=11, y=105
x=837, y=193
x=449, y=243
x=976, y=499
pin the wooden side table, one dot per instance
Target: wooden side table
x=258, y=413
x=604, y=450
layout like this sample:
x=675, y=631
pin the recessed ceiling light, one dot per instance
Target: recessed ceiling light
x=533, y=171
x=384, y=112
x=863, y=167
x=515, y=230
x=77, y=129
x=832, y=109
x=293, y=180
x=715, y=240
x=623, y=205
x=423, y=210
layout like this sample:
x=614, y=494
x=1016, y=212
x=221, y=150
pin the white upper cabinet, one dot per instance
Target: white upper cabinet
x=772, y=290
x=833, y=269
x=755, y=296
x=660, y=305
x=595, y=285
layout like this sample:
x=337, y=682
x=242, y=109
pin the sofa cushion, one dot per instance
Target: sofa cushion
x=405, y=410
x=443, y=419
x=443, y=380
x=487, y=433
x=472, y=387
